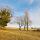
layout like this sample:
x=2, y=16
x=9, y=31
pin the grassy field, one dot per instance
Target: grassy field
x=19, y=35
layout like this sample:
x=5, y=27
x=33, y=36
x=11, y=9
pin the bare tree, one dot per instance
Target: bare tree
x=23, y=20
x=27, y=21
x=19, y=22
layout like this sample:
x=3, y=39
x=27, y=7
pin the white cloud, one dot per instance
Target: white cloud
x=35, y=15
x=12, y=25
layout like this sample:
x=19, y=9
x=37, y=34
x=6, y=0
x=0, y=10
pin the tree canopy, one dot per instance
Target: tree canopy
x=5, y=15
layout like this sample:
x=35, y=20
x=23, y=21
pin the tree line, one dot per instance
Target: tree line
x=5, y=15
x=23, y=20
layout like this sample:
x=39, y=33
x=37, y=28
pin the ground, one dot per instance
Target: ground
x=19, y=35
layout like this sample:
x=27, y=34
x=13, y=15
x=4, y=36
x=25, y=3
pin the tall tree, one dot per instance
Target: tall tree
x=27, y=21
x=5, y=15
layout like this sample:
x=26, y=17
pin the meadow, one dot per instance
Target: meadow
x=14, y=34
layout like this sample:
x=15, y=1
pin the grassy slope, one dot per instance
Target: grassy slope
x=19, y=35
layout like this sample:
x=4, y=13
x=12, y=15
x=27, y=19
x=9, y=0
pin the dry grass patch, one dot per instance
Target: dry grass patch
x=19, y=35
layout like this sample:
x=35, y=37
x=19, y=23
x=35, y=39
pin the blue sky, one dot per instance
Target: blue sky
x=18, y=6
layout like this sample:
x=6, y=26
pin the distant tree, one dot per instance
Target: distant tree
x=27, y=21
x=5, y=15
x=19, y=22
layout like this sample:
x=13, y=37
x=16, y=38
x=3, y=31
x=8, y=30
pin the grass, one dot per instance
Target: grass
x=14, y=34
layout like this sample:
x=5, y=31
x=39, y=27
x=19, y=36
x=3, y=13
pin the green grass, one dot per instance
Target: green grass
x=14, y=34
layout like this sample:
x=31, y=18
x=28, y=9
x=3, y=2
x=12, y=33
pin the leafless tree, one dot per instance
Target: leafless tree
x=19, y=22
x=27, y=21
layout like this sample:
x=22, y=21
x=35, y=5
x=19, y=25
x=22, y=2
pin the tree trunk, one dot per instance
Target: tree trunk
x=24, y=27
x=19, y=27
x=27, y=23
x=27, y=26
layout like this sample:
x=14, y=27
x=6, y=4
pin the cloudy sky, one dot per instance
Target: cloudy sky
x=18, y=6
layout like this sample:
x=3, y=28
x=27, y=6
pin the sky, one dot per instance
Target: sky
x=18, y=6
